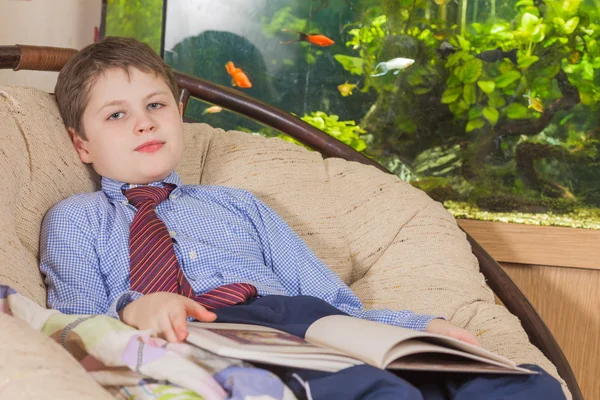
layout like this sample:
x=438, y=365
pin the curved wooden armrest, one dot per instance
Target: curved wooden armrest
x=52, y=59
x=39, y=58
x=274, y=117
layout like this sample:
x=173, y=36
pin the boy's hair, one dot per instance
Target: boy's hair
x=82, y=70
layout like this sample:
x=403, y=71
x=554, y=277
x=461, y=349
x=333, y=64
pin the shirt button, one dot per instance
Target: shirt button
x=172, y=234
x=125, y=202
x=193, y=254
x=172, y=197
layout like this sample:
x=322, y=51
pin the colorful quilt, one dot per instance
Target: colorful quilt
x=135, y=365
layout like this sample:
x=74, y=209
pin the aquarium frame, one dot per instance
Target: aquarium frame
x=102, y=30
x=42, y=58
x=163, y=29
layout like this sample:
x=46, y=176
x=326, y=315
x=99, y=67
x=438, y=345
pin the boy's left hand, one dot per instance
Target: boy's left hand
x=443, y=327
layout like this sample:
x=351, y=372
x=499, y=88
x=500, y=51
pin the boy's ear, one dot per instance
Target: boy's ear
x=181, y=109
x=80, y=146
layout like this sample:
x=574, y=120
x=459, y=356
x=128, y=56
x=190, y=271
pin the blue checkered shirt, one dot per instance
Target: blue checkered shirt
x=221, y=235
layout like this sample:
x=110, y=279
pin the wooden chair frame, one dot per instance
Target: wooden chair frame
x=41, y=58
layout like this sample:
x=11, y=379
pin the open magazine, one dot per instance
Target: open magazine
x=336, y=342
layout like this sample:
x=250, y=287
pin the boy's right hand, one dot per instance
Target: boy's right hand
x=165, y=313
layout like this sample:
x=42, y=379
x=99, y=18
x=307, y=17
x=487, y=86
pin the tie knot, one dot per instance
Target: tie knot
x=154, y=195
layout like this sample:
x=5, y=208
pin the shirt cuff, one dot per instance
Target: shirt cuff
x=417, y=322
x=120, y=302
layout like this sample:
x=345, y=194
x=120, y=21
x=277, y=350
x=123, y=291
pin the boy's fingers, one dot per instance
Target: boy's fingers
x=468, y=337
x=178, y=318
x=198, y=312
x=166, y=329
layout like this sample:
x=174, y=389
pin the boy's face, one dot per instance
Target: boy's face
x=133, y=126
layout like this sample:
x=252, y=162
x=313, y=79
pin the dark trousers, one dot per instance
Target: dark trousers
x=295, y=314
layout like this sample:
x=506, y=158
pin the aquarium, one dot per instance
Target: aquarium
x=489, y=106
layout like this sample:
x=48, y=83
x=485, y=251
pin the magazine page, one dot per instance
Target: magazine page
x=435, y=357
x=262, y=344
x=436, y=362
x=374, y=342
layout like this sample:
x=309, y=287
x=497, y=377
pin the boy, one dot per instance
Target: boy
x=154, y=253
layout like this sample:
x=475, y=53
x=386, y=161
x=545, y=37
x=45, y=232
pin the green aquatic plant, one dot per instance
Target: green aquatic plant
x=549, y=40
x=345, y=131
x=366, y=39
x=495, y=104
x=555, y=60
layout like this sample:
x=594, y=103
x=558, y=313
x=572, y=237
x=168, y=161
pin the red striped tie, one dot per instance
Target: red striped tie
x=153, y=264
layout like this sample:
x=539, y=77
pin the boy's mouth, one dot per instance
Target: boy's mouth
x=150, y=146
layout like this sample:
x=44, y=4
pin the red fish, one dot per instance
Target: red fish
x=319, y=40
x=238, y=77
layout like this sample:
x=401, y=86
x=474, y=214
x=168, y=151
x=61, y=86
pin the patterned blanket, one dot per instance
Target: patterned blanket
x=133, y=364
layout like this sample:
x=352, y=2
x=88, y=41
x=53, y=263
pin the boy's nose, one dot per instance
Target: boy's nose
x=144, y=126
x=143, y=129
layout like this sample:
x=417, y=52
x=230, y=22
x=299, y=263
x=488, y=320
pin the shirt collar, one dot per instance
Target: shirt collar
x=112, y=188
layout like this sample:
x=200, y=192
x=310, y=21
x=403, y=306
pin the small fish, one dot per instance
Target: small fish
x=238, y=77
x=575, y=57
x=396, y=63
x=534, y=102
x=212, y=110
x=498, y=54
x=346, y=88
x=440, y=35
x=319, y=40
x=445, y=50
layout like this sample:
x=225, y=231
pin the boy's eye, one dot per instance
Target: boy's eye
x=154, y=106
x=116, y=115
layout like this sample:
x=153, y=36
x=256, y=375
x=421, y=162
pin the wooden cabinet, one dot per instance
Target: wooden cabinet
x=558, y=269
x=568, y=300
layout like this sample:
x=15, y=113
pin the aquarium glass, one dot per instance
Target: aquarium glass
x=489, y=106
x=140, y=19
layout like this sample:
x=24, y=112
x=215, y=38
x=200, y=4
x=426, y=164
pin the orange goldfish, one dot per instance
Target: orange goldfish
x=238, y=77
x=534, y=102
x=212, y=110
x=319, y=40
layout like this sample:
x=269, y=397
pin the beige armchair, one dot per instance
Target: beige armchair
x=395, y=246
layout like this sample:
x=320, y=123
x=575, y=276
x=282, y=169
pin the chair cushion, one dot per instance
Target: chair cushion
x=36, y=367
x=44, y=169
x=394, y=245
x=290, y=179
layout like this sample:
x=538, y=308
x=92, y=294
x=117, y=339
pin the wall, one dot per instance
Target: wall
x=62, y=23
